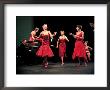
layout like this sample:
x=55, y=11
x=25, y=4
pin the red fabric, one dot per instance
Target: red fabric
x=62, y=47
x=87, y=49
x=30, y=38
x=45, y=49
x=79, y=50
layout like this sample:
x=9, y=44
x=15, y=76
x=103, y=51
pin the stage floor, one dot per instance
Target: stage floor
x=56, y=68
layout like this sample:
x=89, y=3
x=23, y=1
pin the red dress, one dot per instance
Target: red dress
x=79, y=50
x=87, y=49
x=45, y=49
x=62, y=47
x=30, y=38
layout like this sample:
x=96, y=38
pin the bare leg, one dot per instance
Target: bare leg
x=88, y=54
x=45, y=62
x=85, y=61
x=62, y=60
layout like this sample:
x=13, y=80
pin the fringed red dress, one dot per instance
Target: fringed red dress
x=79, y=50
x=62, y=47
x=45, y=50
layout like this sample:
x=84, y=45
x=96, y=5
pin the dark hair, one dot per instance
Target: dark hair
x=61, y=30
x=79, y=26
x=36, y=28
x=44, y=24
x=86, y=41
x=24, y=40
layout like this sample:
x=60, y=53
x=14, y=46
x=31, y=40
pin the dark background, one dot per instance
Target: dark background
x=25, y=24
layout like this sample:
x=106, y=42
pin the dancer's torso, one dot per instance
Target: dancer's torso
x=87, y=48
x=79, y=35
x=46, y=39
x=62, y=40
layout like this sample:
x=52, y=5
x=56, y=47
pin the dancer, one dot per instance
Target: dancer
x=33, y=34
x=87, y=48
x=62, y=46
x=79, y=50
x=45, y=50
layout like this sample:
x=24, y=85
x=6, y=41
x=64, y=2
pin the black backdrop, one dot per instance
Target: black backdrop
x=68, y=24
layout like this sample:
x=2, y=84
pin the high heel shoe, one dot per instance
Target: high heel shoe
x=46, y=65
x=85, y=64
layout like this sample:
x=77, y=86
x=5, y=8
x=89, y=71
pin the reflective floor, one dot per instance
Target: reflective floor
x=57, y=68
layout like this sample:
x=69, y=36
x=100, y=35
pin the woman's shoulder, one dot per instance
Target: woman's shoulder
x=82, y=32
x=60, y=37
x=65, y=36
x=48, y=31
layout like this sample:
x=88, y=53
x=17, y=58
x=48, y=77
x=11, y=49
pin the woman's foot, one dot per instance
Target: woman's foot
x=62, y=64
x=86, y=64
x=45, y=66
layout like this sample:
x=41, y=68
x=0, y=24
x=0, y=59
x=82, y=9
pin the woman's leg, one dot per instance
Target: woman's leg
x=62, y=60
x=85, y=61
x=45, y=62
x=88, y=54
